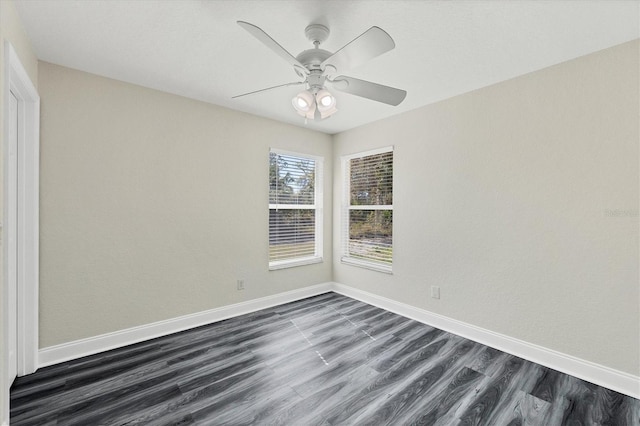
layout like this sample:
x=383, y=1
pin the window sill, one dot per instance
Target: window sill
x=379, y=267
x=283, y=264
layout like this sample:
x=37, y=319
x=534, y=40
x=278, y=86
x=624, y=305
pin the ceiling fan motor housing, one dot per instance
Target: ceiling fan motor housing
x=312, y=58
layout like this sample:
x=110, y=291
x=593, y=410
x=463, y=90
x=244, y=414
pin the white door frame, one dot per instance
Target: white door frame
x=17, y=81
x=10, y=235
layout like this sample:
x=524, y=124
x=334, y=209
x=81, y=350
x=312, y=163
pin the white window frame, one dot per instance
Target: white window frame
x=346, y=207
x=318, y=198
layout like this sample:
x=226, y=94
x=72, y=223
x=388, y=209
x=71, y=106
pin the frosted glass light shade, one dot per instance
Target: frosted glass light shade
x=326, y=103
x=305, y=104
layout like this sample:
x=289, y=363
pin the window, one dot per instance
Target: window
x=368, y=209
x=295, y=209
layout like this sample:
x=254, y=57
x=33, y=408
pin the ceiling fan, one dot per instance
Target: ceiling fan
x=320, y=69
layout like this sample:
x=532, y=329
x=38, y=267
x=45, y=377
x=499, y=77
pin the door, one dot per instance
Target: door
x=11, y=234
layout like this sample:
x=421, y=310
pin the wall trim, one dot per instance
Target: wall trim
x=618, y=381
x=610, y=378
x=117, y=339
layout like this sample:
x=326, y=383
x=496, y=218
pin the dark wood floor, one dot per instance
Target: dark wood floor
x=326, y=360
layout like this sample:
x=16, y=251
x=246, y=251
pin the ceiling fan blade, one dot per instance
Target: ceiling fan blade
x=369, y=90
x=295, y=83
x=271, y=44
x=373, y=42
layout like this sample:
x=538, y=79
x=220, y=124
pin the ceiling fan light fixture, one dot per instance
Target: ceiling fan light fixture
x=326, y=103
x=305, y=104
x=303, y=101
x=325, y=99
x=311, y=114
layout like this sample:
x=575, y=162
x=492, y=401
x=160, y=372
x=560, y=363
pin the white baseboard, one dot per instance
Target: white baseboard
x=618, y=381
x=598, y=374
x=92, y=345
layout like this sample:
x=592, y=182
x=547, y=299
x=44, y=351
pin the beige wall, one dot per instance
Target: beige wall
x=520, y=201
x=10, y=30
x=152, y=205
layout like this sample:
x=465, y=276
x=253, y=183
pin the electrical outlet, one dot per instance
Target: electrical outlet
x=435, y=292
x=240, y=284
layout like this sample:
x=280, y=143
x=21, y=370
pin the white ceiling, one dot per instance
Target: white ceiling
x=194, y=48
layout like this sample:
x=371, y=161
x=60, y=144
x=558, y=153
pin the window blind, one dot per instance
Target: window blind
x=369, y=214
x=293, y=208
